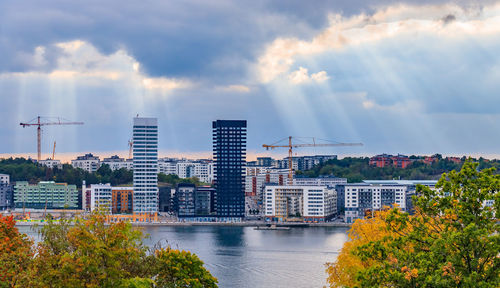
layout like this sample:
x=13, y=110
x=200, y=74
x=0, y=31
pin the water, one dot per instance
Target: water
x=244, y=257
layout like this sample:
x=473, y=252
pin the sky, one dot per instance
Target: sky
x=410, y=77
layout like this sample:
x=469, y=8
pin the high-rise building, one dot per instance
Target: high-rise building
x=145, y=149
x=229, y=153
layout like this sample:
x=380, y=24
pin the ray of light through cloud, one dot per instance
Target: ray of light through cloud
x=404, y=77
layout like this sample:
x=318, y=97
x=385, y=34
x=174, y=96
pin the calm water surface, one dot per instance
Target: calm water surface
x=244, y=257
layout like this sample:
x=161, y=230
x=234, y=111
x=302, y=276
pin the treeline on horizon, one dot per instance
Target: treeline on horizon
x=356, y=169
x=21, y=169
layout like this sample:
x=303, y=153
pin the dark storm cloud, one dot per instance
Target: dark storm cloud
x=196, y=39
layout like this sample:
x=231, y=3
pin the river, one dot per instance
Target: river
x=244, y=257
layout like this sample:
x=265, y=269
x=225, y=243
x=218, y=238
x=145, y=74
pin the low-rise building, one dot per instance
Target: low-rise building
x=88, y=162
x=50, y=163
x=117, y=163
x=46, y=194
x=308, y=203
x=327, y=181
x=355, y=200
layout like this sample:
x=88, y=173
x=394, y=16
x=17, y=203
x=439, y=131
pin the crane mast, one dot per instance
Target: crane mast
x=291, y=145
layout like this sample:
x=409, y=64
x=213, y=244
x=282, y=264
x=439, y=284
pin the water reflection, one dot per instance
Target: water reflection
x=244, y=257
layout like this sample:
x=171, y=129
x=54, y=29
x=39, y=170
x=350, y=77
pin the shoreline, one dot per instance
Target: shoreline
x=235, y=224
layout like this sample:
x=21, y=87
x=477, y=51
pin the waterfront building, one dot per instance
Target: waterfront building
x=328, y=181
x=6, y=192
x=354, y=200
x=46, y=194
x=117, y=163
x=165, y=198
x=306, y=203
x=145, y=150
x=101, y=196
x=204, y=201
x=86, y=197
x=185, y=199
x=50, y=163
x=87, y=162
x=122, y=200
x=229, y=153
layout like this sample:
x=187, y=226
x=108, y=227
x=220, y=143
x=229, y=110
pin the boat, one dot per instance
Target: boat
x=271, y=227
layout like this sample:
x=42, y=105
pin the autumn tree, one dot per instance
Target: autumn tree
x=15, y=252
x=93, y=253
x=452, y=240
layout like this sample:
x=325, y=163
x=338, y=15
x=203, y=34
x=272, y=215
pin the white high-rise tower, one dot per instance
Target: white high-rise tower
x=145, y=149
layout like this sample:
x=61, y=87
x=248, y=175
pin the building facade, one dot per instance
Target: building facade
x=145, y=151
x=204, y=201
x=51, y=163
x=355, y=200
x=4, y=178
x=46, y=194
x=185, y=200
x=6, y=193
x=229, y=153
x=101, y=198
x=330, y=182
x=117, y=163
x=87, y=162
x=122, y=200
x=307, y=203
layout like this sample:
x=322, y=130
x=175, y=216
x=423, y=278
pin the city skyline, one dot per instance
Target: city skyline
x=398, y=76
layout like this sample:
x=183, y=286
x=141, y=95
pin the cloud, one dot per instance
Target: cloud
x=302, y=76
x=82, y=62
x=233, y=88
x=388, y=23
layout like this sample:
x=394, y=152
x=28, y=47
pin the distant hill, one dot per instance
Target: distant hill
x=358, y=169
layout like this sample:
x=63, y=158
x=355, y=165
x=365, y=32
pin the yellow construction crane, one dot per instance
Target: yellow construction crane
x=54, y=151
x=130, y=147
x=291, y=145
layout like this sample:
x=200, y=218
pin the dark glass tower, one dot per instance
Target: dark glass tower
x=229, y=140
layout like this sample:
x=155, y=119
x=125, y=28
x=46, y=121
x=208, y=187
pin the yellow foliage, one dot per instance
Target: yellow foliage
x=342, y=272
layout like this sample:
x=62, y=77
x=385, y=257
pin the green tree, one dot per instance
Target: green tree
x=175, y=268
x=453, y=239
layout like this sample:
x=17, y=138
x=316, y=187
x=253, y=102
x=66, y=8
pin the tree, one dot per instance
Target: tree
x=343, y=272
x=15, y=252
x=93, y=253
x=452, y=241
x=175, y=268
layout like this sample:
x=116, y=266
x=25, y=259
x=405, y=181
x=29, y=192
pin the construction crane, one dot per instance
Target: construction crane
x=291, y=145
x=54, y=151
x=49, y=121
x=130, y=146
